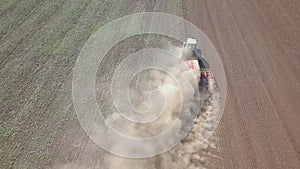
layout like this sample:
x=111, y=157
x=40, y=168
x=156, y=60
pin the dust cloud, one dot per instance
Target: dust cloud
x=190, y=153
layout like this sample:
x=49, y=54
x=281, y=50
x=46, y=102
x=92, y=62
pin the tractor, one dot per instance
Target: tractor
x=207, y=80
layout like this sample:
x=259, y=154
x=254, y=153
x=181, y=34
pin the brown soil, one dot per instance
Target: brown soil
x=258, y=42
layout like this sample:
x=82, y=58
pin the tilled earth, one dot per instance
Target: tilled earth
x=258, y=42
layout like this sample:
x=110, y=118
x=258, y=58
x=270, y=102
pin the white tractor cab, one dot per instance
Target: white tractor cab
x=190, y=43
x=206, y=76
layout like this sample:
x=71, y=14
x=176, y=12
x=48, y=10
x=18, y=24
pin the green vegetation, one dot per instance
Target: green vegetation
x=40, y=41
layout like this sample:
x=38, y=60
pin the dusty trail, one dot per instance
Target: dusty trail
x=258, y=42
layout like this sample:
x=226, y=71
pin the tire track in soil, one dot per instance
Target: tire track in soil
x=287, y=120
x=291, y=9
x=261, y=98
x=256, y=75
x=283, y=34
x=245, y=134
x=250, y=131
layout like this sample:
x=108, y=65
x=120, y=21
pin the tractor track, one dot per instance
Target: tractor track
x=258, y=42
x=261, y=110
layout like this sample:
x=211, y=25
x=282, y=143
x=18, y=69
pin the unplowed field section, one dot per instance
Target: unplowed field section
x=257, y=40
